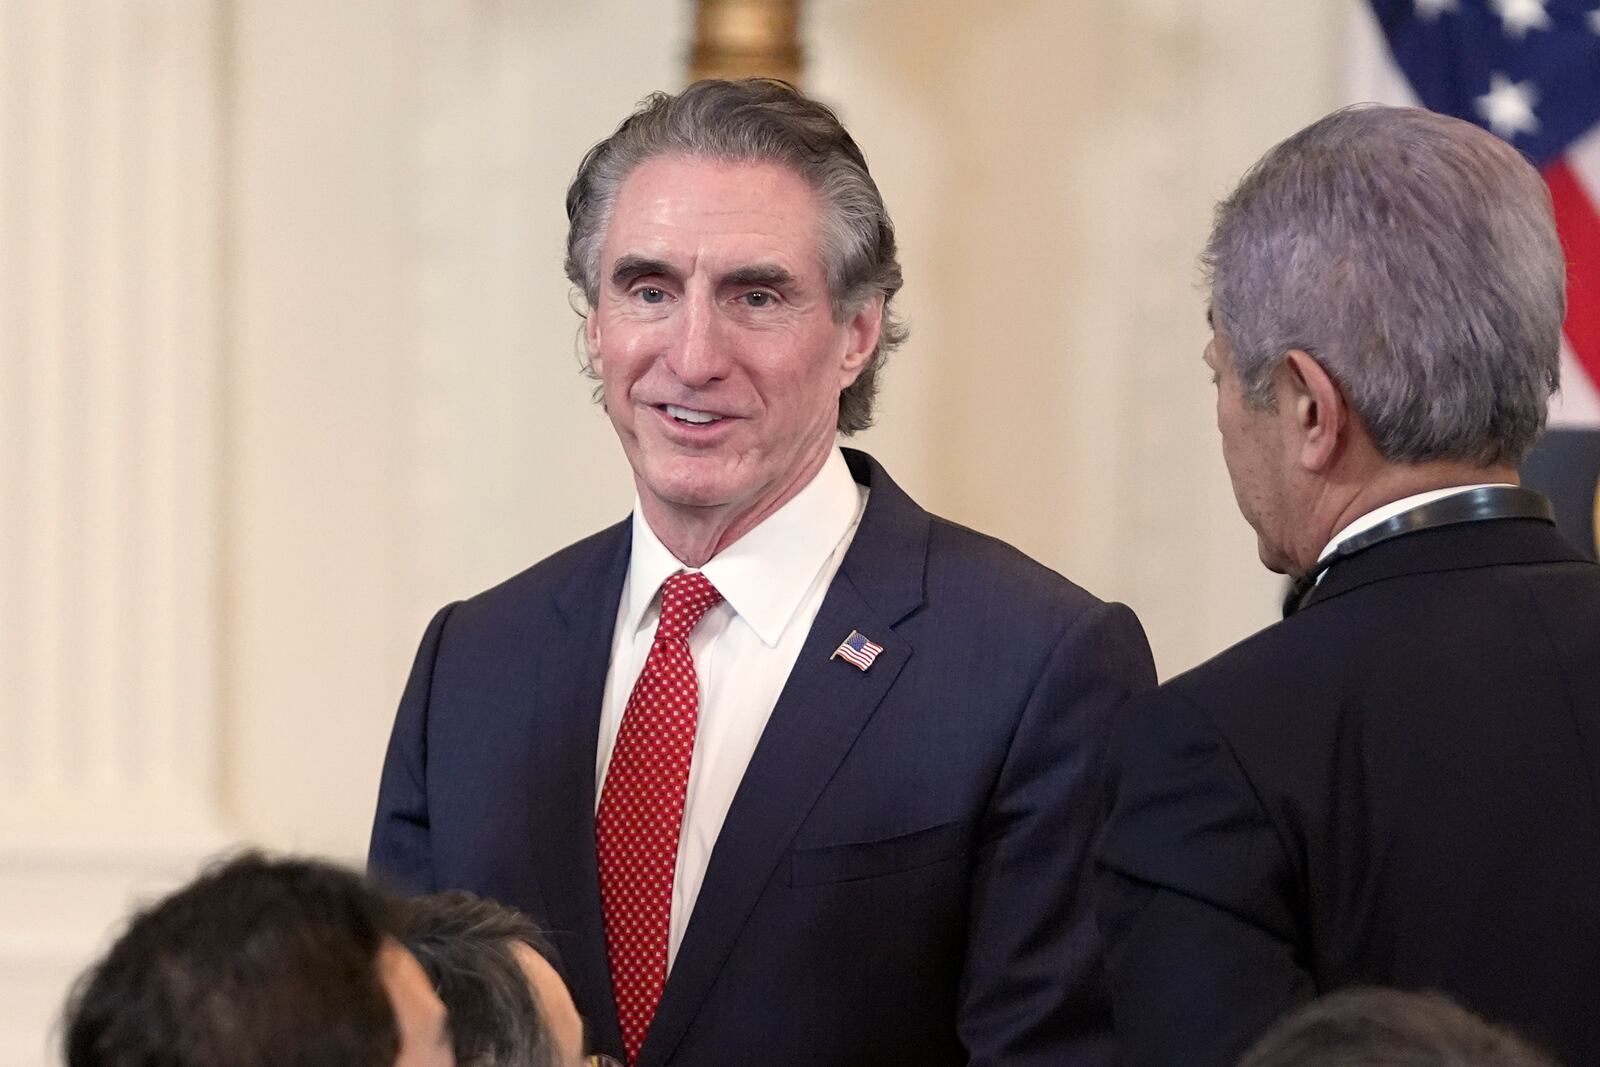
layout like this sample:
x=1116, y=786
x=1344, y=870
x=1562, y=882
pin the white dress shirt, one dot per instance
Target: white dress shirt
x=772, y=580
x=1390, y=510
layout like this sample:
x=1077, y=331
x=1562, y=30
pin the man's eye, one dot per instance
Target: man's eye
x=651, y=295
x=758, y=298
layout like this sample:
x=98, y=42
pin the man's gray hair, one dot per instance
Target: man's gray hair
x=1415, y=257
x=1364, y=1026
x=755, y=120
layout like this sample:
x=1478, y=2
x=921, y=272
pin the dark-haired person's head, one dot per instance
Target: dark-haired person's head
x=508, y=1006
x=260, y=963
x=1370, y=1027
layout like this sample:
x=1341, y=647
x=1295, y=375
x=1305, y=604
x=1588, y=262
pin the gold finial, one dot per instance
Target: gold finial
x=746, y=39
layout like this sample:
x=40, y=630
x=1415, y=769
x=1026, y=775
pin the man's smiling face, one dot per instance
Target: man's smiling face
x=714, y=338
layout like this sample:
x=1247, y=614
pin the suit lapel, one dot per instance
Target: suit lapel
x=572, y=679
x=823, y=707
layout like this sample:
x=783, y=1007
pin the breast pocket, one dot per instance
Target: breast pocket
x=873, y=859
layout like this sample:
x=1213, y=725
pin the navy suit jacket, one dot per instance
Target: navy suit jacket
x=1395, y=786
x=903, y=874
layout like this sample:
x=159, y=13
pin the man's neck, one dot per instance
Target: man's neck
x=1389, y=483
x=695, y=534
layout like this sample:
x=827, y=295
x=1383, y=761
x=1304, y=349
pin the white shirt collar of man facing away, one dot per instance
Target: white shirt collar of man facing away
x=1388, y=511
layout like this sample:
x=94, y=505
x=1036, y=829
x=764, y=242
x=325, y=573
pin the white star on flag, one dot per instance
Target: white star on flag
x=1508, y=106
x=1432, y=9
x=1519, y=16
x=1594, y=20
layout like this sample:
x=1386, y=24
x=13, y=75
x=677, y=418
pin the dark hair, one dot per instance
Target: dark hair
x=464, y=943
x=1368, y=1027
x=756, y=120
x=256, y=963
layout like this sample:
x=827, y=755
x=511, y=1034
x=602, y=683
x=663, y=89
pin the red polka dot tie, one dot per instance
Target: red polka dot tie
x=641, y=807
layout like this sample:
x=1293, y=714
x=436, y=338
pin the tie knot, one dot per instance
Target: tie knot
x=685, y=598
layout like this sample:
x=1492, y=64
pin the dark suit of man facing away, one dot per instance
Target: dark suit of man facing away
x=1396, y=785
x=900, y=723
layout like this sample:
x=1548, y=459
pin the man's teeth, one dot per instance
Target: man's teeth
x=690, y=415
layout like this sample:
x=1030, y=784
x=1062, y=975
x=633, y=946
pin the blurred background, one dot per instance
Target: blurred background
x=287, y=361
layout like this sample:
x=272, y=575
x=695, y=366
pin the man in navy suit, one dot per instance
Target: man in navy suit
x=792, y=771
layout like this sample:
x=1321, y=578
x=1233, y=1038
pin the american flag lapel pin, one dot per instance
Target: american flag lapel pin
x=858, y=650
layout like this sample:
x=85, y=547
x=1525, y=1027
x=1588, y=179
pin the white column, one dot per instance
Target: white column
x=109, y=378
x=405, y=416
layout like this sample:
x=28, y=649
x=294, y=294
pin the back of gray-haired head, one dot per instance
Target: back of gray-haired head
x=1415, y=257
x=756, y=120
x=1364, y=1026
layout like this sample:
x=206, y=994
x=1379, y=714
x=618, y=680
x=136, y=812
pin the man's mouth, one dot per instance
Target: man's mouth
x=690, y=415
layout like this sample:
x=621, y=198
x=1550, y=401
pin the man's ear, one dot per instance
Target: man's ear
x=861, y=338
x=1318, y=410
x=591, y=338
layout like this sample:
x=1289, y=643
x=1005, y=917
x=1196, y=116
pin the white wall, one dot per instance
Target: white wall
x=110, y=269
x=1052, y=168
x=287, y=361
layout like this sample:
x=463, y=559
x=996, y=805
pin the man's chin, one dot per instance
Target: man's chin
x=689, y=481
x=687, y=494
x=1274, y=559
x=694, y=501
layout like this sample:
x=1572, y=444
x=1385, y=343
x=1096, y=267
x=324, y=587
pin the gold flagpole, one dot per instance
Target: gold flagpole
x=746, y=39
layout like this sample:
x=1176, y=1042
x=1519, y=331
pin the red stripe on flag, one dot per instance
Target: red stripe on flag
x=1579, y=226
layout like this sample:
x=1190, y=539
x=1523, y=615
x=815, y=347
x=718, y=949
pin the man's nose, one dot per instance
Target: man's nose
x=699, y=354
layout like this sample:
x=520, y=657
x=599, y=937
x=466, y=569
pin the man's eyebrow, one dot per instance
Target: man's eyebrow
x=769, y=275
x=631, y=267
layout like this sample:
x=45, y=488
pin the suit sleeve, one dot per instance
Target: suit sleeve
x=400, y=854
x=1196, y=893
x=1032, y=989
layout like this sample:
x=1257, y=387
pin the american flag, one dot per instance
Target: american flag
x=857, y=650
x=1528, y=71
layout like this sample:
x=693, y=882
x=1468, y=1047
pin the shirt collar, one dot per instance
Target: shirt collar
x=1390, y=510
x=765, y=574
